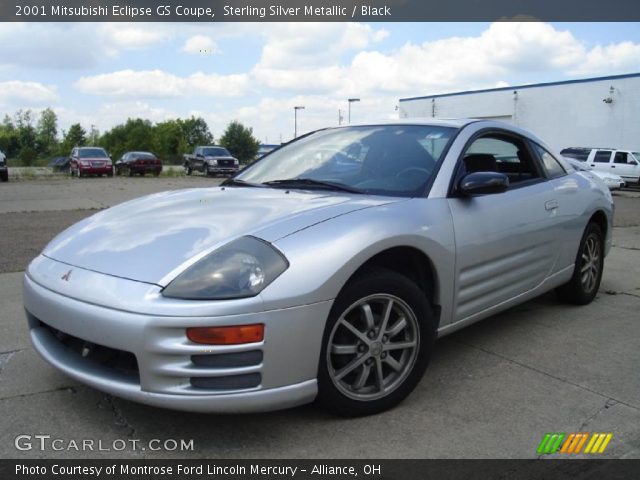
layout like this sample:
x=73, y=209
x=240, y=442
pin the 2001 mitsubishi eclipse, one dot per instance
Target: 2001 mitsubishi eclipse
x=326, y=269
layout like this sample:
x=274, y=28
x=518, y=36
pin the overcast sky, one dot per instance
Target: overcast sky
x=101, y=74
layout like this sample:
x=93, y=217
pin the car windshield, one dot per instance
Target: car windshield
x=145, y=155
x=396, y=160
x=215, y=152
x=92, y=153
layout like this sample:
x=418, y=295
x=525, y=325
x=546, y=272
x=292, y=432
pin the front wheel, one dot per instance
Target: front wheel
x=376, y=345
x=587, y=272
x=187, y=169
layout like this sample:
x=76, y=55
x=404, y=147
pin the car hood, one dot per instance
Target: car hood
x=153, y=238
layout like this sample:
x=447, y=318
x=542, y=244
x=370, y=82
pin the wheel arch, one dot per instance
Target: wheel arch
x=599, y=217
x=410, y=262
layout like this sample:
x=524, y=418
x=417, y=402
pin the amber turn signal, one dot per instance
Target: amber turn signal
x=235, y=335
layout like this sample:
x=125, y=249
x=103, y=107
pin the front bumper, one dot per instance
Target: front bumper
x=96, y=170
x=284, y=374
x=214, y=169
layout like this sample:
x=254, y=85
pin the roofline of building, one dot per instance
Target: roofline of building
x=521, y=87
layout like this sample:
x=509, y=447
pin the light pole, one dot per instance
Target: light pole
x=351, y=100
x=295, y=120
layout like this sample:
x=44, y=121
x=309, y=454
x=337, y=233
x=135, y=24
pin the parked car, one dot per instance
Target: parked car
x=59, y=164
x=210, y=160
x=4, y=170
x=265, y=148
x=85, y=161
x=132, y=163
x=293, y=281
x=624, y=163
x=613, y=182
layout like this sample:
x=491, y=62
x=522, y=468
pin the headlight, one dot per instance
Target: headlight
x=242, y=268
x=213, y=162
x=236, y=162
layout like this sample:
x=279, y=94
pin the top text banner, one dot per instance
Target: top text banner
x=317, y=10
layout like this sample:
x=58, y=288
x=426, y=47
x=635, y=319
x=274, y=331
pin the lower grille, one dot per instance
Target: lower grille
x=120, y=361
x=230, y=382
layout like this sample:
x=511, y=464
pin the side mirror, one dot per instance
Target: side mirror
x=199, y=155
x=483, y=183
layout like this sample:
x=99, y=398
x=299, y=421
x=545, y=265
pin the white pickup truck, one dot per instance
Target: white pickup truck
x=624, y=163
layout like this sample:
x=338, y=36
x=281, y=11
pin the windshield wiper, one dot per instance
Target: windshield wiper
x=236, y=182
x=310, y=182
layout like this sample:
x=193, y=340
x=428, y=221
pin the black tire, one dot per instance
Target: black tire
x=205, y=170
x=118, y=172
x=187, y=169
x=578, y=290
x=375, y=284
x=130, y=171
x=4, y=177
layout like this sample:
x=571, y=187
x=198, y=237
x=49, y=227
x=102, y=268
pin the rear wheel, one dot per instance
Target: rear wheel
x=376, y=344
x=587, y=273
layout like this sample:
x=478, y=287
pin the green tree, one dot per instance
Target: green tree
x=196, y=131
x=168, y=141
x=26, y=137
x=47, y=132
x=9, y=142
x=76, y=136
x=239, y=140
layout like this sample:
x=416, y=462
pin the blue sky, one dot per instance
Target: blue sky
x=101, y=74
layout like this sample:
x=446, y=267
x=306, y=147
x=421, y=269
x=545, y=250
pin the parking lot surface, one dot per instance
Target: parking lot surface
x=492, y=390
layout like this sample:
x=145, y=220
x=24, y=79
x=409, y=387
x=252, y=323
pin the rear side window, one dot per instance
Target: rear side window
x=577, y=153
x=503, y=154
x=602, y=156
x=551, y=165
x=620, y=157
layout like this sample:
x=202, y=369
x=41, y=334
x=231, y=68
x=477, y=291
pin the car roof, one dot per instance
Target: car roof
x=444, y=122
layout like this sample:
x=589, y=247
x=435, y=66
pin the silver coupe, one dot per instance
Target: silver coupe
x=325, y=270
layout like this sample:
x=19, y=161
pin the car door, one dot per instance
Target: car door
x=601, y=160
x=73, y=160
x=198, y=160
x=625, y=165
x=506, y=243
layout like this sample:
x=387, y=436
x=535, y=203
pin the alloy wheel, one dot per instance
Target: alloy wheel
x=373, y=347
x=590, y=266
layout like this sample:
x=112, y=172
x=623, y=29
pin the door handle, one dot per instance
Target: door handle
x=613, y=166
x=551, y=205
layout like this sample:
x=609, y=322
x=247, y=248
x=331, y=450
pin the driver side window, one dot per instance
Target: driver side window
x=502, y=154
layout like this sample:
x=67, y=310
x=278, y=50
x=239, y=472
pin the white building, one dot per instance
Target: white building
x=593, y=112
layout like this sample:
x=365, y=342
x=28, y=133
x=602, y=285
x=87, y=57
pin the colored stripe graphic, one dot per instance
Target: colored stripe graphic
x=598, y=443
x=574, y=442
x=550, y=443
